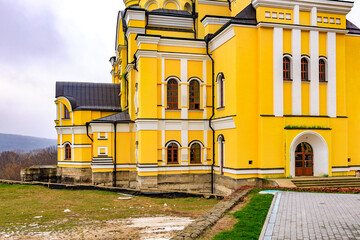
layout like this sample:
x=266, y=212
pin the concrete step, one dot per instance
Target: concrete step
x=327, y=182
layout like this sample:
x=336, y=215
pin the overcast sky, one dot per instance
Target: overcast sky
x=44, y=41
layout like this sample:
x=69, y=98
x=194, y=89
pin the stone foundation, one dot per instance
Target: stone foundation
x=226, y=185
x=39, y=174
x=124, y=179
x=74, y=175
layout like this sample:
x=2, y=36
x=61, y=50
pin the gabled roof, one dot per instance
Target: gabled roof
x=122, y=117
x=90, y=96
x=246, y=16
x=170, y=12
x=352, y=27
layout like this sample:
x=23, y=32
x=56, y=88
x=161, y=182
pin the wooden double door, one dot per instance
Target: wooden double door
x=304, y=160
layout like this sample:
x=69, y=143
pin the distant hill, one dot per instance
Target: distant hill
x=11, y=142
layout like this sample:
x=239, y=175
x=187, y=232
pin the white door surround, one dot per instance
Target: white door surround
x=320, y=150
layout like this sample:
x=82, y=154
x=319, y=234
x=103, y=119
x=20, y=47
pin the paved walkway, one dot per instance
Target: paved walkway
x=298, y=215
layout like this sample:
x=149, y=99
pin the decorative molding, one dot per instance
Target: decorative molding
x=169, y=21
x=174, y=125
x=301, y=27
x=171, y=55
x=223, y=123
x=214, y=2
x=214, y=20
x=74, y=163
x=170, y=42
x=135, y=30
x=176, y=168
x=222, y=38
x=250, y=171
x=278, y=92
x=338, y=7
x=134, y=15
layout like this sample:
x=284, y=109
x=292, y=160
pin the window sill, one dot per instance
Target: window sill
x=172, y=163
x=173, y=110
x=220, y=108
x=287, y=80
x=196, y=110
x=305, y=81
x=64, y=119
x=323, y=82
x=67, y=159
x=102, y=139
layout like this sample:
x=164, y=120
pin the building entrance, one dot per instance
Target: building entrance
x=304, y=160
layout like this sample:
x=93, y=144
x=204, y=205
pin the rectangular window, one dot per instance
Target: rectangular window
x=288, y=16
x=332, y=20
x=319, y=19
x=326, y=20
x=281, y=15
x=66, y=113
x=338, y=21
x=267, y=14
x=102, y=135
x=102, y=151
x=274, y=15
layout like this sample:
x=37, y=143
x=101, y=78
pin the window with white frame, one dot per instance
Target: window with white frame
x=102, y=135
x=220, y=90
x=102, y=151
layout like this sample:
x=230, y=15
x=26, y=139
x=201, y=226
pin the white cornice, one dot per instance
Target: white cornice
x=301, y=27
x=170, y=42
x=134, y=30
x=132, y=14
x=336, y=7
x=214, y=2
x=171, y=55
x=168, y=21
x=214, y=21
x=250, y=171
x=223, y=123
x=222, y=38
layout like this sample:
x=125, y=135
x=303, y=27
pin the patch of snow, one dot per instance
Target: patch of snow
x=67, y=210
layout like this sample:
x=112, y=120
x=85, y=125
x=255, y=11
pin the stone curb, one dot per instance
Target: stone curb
x=266, y=223
x=198, y=227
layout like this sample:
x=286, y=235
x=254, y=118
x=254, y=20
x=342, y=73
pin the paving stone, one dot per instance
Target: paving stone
x=317, y=216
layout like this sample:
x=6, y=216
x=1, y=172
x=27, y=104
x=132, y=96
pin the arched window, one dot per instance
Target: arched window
x=304, y=69
x=67, y=152
x=172, y=153
x=66, y=113
x=172, y=94
x=221, y=153
x=195, y=153
x=194, y=94
x=187, y=8
x=221, y=90
x=322, y=70
x=286, y=68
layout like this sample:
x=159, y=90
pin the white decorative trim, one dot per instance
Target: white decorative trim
x=171, y=55
x=330, y=74
x=313, y=17
x=175, y=125
x=172, y=1
x=223, y=123
x=222, y=38
x=102, y=148
x=81, y=146
x=296, y=14
x=167, y=21
x=204, y=90
x=135, y=30
x=184, y=88
x=345, y=169
x=67, y=100
x=278, y=72
x=338, y=7
x=301, y=27
x=68, y=130
x=129, y=67
x=184, y=142
x=250, y=171
x=134, y=15
x=148, y=4
x=173, y=169
x=296, y=71
x=214, y=21
x=314, y=73
x=102, y=138
x=163, y=87
x=190, y=43
x=214, y=2
x=74, y=163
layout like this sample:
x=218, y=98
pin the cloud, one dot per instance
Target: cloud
x=28, y=33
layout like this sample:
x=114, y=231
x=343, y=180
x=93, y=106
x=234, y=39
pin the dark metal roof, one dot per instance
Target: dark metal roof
x=122, y=117
x=246, y=16
x=352, y=27
x=90, y=96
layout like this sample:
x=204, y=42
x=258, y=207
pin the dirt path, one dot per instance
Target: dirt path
x=161, y=227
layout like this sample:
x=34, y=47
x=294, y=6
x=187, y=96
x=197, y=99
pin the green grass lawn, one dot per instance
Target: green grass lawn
x=21, y=206
x=251, y=219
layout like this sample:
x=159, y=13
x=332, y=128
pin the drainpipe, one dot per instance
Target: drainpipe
x=194, y=17
x=229, y=1
x=114, y=172
x=87, y=131
x=212, y=115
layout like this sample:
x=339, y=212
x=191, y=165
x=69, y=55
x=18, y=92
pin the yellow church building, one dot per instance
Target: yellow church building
x=209, y=95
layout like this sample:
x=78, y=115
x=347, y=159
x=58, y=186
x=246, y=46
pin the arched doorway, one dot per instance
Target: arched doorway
x=304, y=160
x=320, y=154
